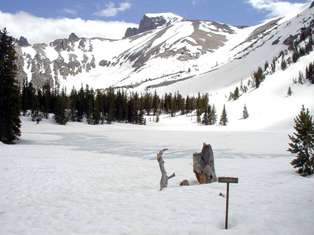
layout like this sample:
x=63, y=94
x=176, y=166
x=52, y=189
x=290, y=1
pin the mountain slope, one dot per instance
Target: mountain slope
x=130, y=61
x=167, y=53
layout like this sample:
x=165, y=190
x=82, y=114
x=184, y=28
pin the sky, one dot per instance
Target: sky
x=33, y=13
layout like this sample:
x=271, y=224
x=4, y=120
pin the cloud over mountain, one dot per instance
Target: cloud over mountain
x=38, y=29
x=277, y=7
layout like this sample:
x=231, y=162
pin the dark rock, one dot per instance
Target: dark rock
x=184, y=183
x=276, y=41
x=73, y=37
x=104, y=63
x=22, y=42
x=61, y=45
x=130, y=32
x=289, y=40
x=146, y=24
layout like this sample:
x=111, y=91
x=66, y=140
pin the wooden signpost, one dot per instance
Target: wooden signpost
x=228, y=180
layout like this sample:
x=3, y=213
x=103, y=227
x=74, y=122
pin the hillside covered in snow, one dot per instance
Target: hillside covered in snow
x=167, y=53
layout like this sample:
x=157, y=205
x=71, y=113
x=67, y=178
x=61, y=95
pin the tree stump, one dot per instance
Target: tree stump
x=204, y=166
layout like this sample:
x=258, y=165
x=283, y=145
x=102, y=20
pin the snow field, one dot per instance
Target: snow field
x=80, y=179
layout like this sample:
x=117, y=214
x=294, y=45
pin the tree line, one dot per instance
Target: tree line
x=113, y=105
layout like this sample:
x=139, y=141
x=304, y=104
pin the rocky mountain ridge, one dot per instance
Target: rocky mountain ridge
x=166, y=53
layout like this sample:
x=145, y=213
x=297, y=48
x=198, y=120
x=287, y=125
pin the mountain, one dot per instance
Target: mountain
x=166, y=52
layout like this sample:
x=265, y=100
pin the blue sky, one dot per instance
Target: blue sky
x=236, y=12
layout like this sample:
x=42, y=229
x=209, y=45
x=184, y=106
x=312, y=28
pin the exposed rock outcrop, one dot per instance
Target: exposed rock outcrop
x=22, y=42
x=73, y=37
x=152, y=21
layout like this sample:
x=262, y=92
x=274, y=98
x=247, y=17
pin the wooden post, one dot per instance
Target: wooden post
x=227, y=207
x=227, y=180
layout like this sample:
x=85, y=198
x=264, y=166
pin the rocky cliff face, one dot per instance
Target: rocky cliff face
x=48, y=63
x=152, y=21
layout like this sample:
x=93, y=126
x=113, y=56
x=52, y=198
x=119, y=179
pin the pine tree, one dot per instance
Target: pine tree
x=223, y=118
x=9, y=93
x=295, y=56
x=141, y=119
x=213, y=116
x=206, y=120
x=302, y=143
x=283, y=64
x=258, y=77
x=73, y=105
x=60, y=111
x=155, y=103
x=236, y=94
x=245, y=113
x=46, y=101
x=289, y=92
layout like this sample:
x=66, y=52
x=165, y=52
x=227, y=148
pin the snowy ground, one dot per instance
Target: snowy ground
x=82, y=179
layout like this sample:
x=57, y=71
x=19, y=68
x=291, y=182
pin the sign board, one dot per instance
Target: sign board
x=228, y=180
x=231, y=180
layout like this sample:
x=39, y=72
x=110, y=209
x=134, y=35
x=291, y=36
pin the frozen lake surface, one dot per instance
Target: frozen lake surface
x=82, y=179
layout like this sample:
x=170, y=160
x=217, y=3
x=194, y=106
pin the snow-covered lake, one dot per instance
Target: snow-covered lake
x=82, y=179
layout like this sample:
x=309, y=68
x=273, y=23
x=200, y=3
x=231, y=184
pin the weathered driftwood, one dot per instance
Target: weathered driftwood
x=164, y=177
x=204, y=165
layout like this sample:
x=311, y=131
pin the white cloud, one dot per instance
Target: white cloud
x=37, y=29
x=112, y=9
x=70, y=11
x=277, y=7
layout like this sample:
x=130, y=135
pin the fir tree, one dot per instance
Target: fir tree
x=236, y=94
x=283, y=64
x=60, y=112
x=9, y=93
x=245, y=113
x=213, y=116
x=302, y=143
x=223, y=118
x=141, y=119
x=258, y=77
x=46, y=101
x=205, y=120
x=295, y=56
x=155, y=103
x=289, y=92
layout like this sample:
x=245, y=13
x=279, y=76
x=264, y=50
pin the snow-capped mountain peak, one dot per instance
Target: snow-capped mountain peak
x=167, y=16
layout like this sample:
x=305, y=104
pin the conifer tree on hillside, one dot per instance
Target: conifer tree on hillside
x=9, y=93
x=283, y=64
x=212, y=116
x=302, y=143
x=236, y=94
x=223, y=118
x=289, y=92
x=206, y=120
x=258, y=77
x=245, y=113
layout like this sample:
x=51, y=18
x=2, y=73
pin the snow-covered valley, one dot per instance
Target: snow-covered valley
x=81, y=179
